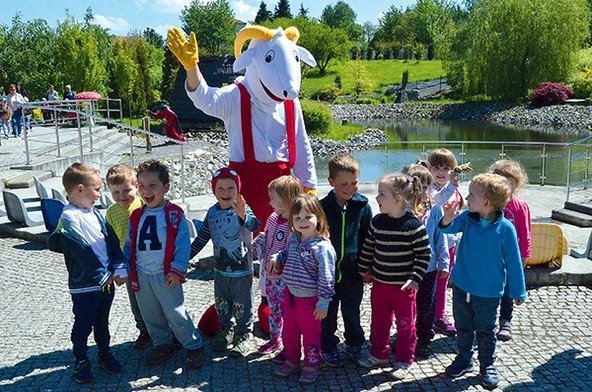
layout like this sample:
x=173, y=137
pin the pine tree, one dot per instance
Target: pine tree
x=303, y=13
x=263, y=14
x=282, y=10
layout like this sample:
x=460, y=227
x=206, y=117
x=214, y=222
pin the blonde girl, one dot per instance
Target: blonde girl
x=395, y=255
x=517, y=212
x=282, y=193
x=309, y=274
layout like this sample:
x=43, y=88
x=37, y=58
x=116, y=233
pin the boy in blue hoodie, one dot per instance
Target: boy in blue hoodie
x=487, y=253
x=349, y=215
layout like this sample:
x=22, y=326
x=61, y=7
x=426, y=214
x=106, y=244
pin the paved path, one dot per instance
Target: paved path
x=551, y=350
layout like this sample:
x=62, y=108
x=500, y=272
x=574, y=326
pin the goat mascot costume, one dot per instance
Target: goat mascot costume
x=261, y=111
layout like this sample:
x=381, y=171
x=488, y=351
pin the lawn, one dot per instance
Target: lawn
x=379, y=72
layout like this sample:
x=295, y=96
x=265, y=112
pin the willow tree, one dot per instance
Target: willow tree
x=510, y=46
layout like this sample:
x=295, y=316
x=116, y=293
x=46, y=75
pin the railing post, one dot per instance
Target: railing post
x=503, y=153
x=108, y=112
x=386, y=158
x=146, y=126
x=568, y=174
x=182, y=175
x=544, y=165
x=27, y=146
x=55, y=120
x=90, y=120
x=80, y=138
x=587, y=167
x=131, y=135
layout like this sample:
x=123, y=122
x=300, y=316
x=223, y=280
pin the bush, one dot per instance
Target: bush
x=317, y=117
x=550, y=93
x=364, y=101
x=582, y=83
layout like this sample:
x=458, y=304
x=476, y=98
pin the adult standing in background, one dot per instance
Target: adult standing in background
x=15, y=100
x=69, y=94
x=52, y=94
x=26, y=111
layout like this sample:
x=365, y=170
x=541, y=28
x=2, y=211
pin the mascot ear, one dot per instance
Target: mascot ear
x=244, y=60
x=306, y=56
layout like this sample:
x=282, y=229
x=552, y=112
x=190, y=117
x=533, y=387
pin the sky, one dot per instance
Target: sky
x=123, y=16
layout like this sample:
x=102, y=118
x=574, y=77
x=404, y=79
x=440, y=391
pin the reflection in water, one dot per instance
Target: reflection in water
x=402, y=151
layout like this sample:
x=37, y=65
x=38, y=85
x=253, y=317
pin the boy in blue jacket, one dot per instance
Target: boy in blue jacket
x=487, y=253
x=94, y=261
x=349, y=215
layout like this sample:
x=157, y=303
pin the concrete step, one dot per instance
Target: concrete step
x=583, y=207
x=572, y=217
x=26, y=180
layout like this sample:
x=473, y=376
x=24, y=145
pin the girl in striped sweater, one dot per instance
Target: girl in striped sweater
x=308, y=264
x=395, y=255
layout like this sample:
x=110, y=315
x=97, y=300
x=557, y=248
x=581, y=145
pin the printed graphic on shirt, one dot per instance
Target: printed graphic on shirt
x=231, y=254
x=148, y=235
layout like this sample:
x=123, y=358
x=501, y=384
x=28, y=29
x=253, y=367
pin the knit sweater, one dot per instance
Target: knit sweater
x=395, y=249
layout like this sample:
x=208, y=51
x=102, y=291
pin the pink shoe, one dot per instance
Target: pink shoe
x=270, y=347
x=286, y=369
x=280, y=358
x=445, y=327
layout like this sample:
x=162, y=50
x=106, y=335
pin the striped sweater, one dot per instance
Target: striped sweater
x=395, y=249
x=309, y=268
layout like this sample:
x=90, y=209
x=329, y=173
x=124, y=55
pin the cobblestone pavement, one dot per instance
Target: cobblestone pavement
x=551, y=350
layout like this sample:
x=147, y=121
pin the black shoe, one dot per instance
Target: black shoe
x=176, y=343
x=195, y=358
x=423, y=350
x=458, y=368
x=160, y=354
x=109, y=364
x=222, y=340
x=143, y=340
x=82, y=372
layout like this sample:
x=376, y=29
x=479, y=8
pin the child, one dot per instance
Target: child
x=349, y=215
x=442, y=165
x=439, y=265
x=517, y=212
x=308, y=265
x=395, y=256
x=162, y=111
x=282, y=193
x=94, y=261
x=488, y=255
x=158, y=248
x=122, y=183
x=4, y=118
x=229, y=224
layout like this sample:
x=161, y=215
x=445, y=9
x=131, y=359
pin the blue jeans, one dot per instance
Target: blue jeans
x=16, y=122
x=91, y=313
x=234, y=298
x=163, y=310
x=475, y=316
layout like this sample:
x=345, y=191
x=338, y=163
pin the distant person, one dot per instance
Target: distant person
x=122, y=183
x=4, y=118
x=229, y=223
x=27, y=112
x=516, y=211
x=349, y=216
x=15, y=100
x=394, y=257
x=94, y=261
x=158, y=248
x=308, y=265
x=68, y=93
x=488, y=256
x=51, y=94
x=172, y=125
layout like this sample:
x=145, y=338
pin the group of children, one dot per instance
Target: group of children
x=315, y=256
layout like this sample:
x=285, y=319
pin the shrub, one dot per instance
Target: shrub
x=550, y=93
x=327, y=94
x=364, y=101
x=317, y=117
x=582, y=83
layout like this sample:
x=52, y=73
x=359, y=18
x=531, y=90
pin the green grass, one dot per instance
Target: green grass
x=379, y=72
x=340, y=132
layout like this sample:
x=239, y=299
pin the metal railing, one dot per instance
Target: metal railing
x=578, y=167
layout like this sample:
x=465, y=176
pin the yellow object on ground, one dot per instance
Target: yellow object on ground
x=548, y=245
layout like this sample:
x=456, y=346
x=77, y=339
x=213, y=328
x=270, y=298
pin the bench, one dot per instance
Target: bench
x=18, y=212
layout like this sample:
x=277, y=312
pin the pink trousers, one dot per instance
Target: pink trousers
x=441, y=289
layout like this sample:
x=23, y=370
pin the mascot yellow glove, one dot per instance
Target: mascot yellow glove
x=310, y=191
x=186, y=52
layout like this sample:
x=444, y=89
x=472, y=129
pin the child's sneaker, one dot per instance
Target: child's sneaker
x=286, y=370
x=423, y=350
x=458, y=367
x=160, y=354
x=332, y=358
x=352, y=352
x=400, y=370
x=372, y=362
x=143, y=340
x=109, y=364
x=309, y=375
x=222, y=340
x=82, y=372
x=195, y=358
x=490, y=378
x=505, y=331
x=270, y=347
x=280, y=358
x=241, y=346
x=445, y=327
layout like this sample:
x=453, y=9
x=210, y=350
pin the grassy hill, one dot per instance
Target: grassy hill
x=379, y=73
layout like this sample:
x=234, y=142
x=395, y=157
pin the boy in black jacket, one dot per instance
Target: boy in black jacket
x=349, y=215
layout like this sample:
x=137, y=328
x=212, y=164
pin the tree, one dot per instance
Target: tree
x=510, y=46
x=213, y=24
x=303, y=12
x=263, y=13
x=433, y=25
x=282, y=10
x=343, y=16
x=325, y=43
x=153, y=38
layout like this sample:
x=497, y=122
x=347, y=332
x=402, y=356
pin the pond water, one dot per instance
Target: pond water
x=412, y=140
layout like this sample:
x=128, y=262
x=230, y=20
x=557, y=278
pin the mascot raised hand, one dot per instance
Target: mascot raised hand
x=261, y=111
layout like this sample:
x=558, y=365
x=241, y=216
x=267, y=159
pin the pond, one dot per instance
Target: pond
x=412, y=140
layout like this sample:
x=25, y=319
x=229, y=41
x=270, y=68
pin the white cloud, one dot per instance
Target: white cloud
x=163, y=29
x=113, y=23
x=163, y=6
x=244, y=11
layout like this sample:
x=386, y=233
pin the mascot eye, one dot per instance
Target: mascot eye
x=269, y=56
x=296, y=56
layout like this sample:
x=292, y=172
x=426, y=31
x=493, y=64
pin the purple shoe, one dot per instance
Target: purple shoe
x=445, y=327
